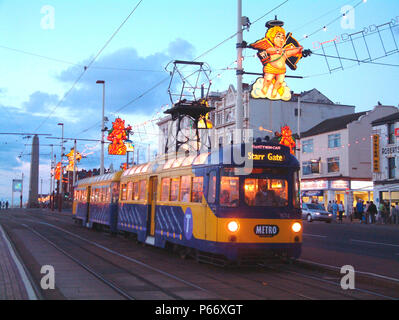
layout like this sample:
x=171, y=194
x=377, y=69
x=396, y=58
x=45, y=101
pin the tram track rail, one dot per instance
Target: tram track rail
x=103, y=257
x=83, y=265
x=340, y=291
x=283, y=274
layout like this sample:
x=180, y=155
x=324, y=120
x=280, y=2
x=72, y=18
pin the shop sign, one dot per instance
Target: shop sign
x=376, y=153
x=362, y=185
x=312, y=193
x=397, y=132
x=314, y=185
x=339, y=184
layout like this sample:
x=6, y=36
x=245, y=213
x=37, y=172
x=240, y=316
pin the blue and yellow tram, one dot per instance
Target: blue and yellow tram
x=200, y=204
x=96, y=200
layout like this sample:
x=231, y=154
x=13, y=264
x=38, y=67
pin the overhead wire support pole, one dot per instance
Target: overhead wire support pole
x=239, y=102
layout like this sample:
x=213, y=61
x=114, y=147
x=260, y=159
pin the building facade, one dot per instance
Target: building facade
x=385, y=154
x=335, y=158
x=264, y=117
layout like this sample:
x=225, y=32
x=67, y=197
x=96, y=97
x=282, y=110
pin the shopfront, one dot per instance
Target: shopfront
x=314, y=191
x=346, y=191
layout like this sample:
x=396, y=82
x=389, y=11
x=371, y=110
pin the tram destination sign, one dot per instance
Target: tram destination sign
x=266, y=230
x=268, y=156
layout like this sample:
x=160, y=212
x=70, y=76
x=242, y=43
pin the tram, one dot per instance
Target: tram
x=206, y=205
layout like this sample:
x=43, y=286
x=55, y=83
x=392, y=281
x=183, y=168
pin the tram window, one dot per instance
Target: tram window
x=129, y=190
x=212, y=187
x=185, y=189
x=107, y=194
x=229, y=191
x=196, y=195
x=174, y=189
x=100, y=194
x=123, y=192
x=266, y=192
x=135, y=195
x=143, y=188
x=165, y=188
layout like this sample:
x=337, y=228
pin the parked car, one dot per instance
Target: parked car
x=315, y=212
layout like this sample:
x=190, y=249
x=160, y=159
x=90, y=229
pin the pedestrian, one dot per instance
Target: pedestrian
x=372, y=209
x=392, y=215
x=367, y=214
x=397, y=213
x=334, y=210
x=341, y=211
x=359, y=209
x=381, y=209
x=7, y=205
x=329, y=207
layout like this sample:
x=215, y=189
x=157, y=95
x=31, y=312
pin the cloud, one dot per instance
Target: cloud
x=40, y=102
x=127, y=75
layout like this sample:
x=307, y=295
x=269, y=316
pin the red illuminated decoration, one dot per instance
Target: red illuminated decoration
x=276, y=50
x=117, y=135
x=286, y=138
x=71, y=157
x=57, y=175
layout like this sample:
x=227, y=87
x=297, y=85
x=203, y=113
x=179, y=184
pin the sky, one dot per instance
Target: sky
x=44, y=46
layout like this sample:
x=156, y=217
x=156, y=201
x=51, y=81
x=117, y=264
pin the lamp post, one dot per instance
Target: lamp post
x=61, y=173
x=102, y=129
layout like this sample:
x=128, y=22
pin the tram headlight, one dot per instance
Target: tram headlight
x=233, y=226
x=296, y=227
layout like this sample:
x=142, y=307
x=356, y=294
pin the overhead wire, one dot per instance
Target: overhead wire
x=198, y=57
x=89, y=65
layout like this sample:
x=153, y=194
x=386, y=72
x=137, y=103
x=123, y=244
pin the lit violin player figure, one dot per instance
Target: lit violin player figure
x=276, y=50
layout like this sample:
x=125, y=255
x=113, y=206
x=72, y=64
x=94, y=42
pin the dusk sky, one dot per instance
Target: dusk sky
x=44, y=46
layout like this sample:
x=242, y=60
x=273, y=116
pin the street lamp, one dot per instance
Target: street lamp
x=61, y=171
x=102, y=129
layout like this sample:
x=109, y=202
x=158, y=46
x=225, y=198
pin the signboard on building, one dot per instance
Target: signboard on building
x=362, y=185
x=376, y=153
x=339, y=184
x=397, y=132
x=314, y=185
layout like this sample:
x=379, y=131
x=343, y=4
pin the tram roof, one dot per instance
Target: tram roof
x=101, y=178
x=217, y=157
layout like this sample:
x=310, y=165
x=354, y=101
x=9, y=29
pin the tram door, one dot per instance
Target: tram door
x=152, y=198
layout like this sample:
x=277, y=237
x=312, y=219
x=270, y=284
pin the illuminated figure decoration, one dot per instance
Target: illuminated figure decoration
x=275, y=51
x=204, y=122
x=57, y=175
x=286, y=138
x=71, y=156
x=118, y=134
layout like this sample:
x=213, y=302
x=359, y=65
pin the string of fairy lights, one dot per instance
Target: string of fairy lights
x=158, y=113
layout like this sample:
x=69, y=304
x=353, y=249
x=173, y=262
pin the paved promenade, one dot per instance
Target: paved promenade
x=14, y=284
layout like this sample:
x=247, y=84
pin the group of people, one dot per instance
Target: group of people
x=4, y=205
x=336, y=208
x=369, y=213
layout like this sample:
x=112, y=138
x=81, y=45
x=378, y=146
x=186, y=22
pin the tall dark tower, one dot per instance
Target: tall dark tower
x=34, y=174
